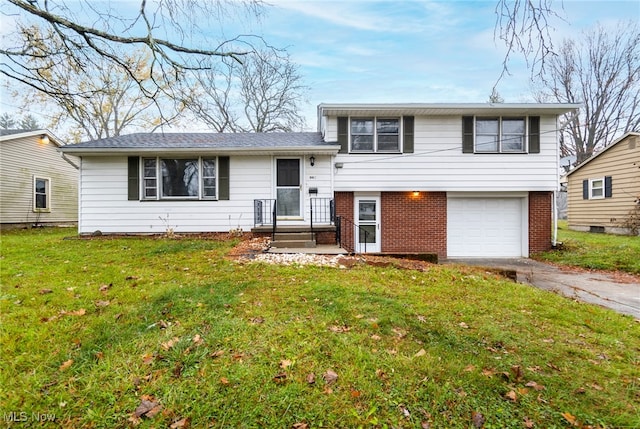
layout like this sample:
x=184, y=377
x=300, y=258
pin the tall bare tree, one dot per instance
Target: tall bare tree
x=173, y=34
x=601, y=70
x=263, y=94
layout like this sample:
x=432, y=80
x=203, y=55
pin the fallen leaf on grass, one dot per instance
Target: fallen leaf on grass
x=66, y=364
x=330, y=376
x=148, y=358
x=463, y=325
x=355, y=393
x=421, y=353
x=470, y=368
x=285, y=363
x=300, y=426
x=376, y=337
x=477, y=419
x=535, y=385
x=339, y=329
x=147, y=408
x=257, y=320
x=105, y=288
x=224, y=381
x=197, y=340
x=528, y=423
x=570, y=418
x=488, y=372
x=44, y=291
x=169, y=344
x=280, y=378
x=102, y=303
x=311, y=378
x=217, y=354
x=511, y=396
x=381, y=374
x=552, y=366
x=180, y=424
x=516, y=371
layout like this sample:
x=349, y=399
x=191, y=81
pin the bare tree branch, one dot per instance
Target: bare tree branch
x=523, y=26
x=88, y=35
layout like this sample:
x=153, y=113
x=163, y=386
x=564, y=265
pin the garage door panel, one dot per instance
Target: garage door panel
x=484, y=227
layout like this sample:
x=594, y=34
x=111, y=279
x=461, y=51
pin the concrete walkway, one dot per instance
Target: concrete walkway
x=620, y=293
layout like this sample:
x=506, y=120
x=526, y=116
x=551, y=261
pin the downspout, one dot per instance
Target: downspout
x=554, y=203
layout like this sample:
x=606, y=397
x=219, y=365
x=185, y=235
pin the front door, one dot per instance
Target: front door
x=288, y=189
x=368, y=224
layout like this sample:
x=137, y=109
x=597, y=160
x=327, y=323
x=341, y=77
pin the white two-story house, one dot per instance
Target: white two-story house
x=455, y=180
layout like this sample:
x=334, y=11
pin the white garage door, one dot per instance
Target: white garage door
x=485, y=227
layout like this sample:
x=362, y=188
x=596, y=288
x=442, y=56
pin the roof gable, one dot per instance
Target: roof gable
x=606, y=149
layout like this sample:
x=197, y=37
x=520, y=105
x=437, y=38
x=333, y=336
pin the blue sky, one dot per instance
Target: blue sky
x=357, y=51
x=429, y=51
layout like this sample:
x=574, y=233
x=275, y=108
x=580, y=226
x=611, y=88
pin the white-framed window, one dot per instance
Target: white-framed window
x=375, y=135
x=41, y=194
x=500, y=135
x=179, y=178
x=596, y=188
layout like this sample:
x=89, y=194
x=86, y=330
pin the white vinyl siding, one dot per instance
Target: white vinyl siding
x=105, y=205
x=438, y=163
x=22, y=159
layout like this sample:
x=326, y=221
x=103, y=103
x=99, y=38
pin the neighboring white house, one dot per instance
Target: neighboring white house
x=456, y=180
x=38, y=185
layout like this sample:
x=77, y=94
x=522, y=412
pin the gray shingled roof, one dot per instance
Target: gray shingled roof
x=206, y=141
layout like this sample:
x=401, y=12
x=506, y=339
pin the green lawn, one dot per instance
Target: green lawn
x=120, y=332
x=595, y=251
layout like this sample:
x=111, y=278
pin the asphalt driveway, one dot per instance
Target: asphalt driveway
x=618, y=292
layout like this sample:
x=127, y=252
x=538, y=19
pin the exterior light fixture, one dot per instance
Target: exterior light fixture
x=416, y=193
x=44, y=139
x=312, y=160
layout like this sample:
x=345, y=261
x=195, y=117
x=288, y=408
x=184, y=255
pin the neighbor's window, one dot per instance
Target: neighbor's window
x=500, y=135
x=596, y=187
x=41, y=194
x=191, y=178
x=375, y=135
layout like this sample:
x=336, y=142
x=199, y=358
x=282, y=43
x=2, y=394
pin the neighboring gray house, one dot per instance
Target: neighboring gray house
x=39, y=185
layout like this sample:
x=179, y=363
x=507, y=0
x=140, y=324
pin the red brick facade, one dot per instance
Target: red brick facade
x=414, y=223
x=410, y=224
x=540, y=210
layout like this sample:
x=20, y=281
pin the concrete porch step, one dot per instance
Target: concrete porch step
x=292, y=244
x=293, y=240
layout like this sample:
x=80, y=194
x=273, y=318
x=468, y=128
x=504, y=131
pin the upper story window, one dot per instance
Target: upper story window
x=41, y=194
x=190, y=178
x=375, y=135
x=496, y=135
x=500, y=134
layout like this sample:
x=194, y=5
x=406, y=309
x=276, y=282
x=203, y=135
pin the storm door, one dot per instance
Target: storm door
x=368, y=224
x=288, y=189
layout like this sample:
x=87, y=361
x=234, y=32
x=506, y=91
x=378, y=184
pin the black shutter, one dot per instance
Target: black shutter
x=608, y=187
x=534, y=134
x=585, y=189
x=467, y=134
x=408, y=131
x=134, y=177
x=223, y=177
x=343, y=134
